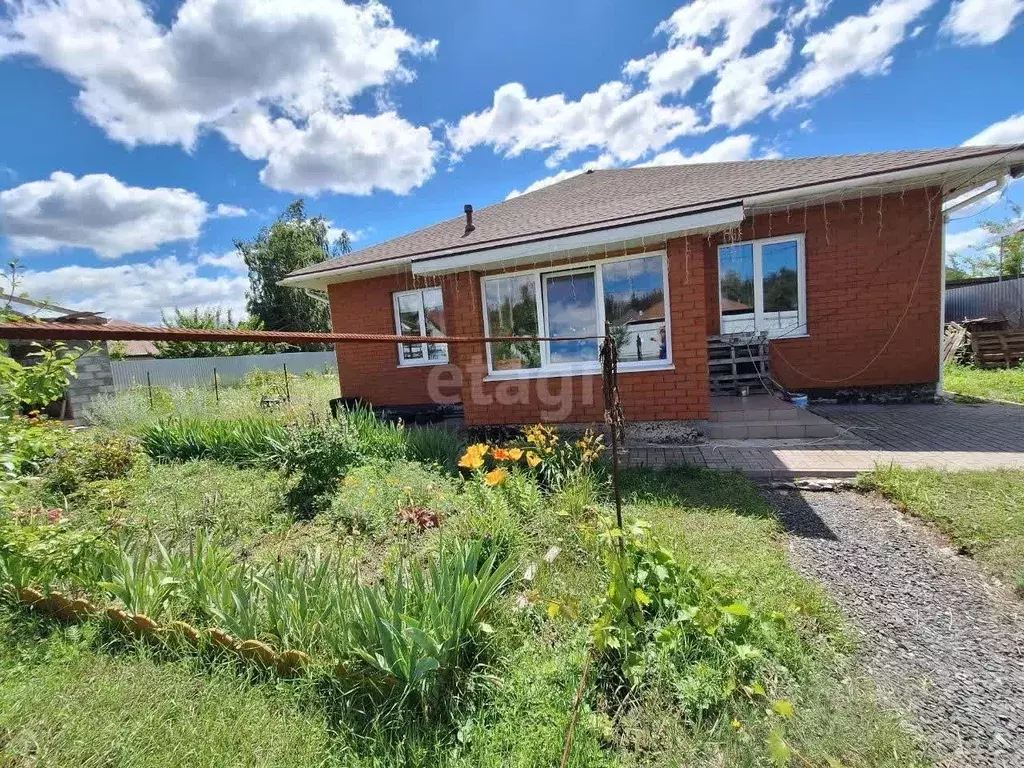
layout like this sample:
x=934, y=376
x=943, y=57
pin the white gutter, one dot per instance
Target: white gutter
x=722, y=217
x=1000, y=185
x=893, y=177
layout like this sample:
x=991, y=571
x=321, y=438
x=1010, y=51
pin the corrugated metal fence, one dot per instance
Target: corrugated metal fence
x=1002, y=299
x=198, y=371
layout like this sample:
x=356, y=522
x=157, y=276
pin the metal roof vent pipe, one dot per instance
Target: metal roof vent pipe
x=469, y=219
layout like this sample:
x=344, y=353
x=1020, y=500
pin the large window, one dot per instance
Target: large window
x=761, y=286
x=420, y=313
x=627, y=293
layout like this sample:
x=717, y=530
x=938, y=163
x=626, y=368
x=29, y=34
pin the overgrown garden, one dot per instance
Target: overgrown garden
x=376, y=594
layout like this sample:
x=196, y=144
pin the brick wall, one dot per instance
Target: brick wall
x=371, y=371
x=862, y=264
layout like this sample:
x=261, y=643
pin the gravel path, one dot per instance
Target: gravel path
x=940, y=641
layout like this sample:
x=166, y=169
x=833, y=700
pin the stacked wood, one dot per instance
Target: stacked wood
x=952, y=342
x=997, y=349
x=737, y=360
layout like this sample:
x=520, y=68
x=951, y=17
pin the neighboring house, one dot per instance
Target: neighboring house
x=838, y=259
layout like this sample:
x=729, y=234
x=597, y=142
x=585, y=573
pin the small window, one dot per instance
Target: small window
x=761, y=287
x=420, y=313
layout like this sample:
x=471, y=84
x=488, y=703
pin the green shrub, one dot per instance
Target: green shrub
x=371, y=496
x=27, y=443
x=433, y=445
x=489, y=516
x=88, y=458
x=244, y=442
x=317, y=455
x=665, y=624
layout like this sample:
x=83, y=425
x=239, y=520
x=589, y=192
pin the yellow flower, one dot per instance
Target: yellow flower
x=515, y=453
x=533, y=459
x=473, y=458
x=495, y=476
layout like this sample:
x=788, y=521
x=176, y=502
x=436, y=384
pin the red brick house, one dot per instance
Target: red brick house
x=838, y=259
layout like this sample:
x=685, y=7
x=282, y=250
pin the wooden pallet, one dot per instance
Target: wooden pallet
x=737, y=360
x=997, y=349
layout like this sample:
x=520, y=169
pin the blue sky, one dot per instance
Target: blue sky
x=141, y=139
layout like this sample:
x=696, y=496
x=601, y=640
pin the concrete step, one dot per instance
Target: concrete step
x=786, y=413
x=760, y=430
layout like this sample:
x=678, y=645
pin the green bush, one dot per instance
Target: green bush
x=27, y=443
x=667, y=625
x=376, y=439
x=244, y=442
x=88, y=458
x=371, y=496
x=317, y=455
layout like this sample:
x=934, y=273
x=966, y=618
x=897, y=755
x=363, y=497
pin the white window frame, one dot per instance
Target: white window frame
x=795, y=331
x=551, y=370
x=418, y=293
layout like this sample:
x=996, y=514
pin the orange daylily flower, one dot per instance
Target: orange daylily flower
x=473, y=458
x=495, y=476
x=500, y=454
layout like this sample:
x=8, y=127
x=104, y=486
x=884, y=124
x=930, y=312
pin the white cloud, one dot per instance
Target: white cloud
x=354, y=235
x=613, y=119
x=810, y=10
x=604, y=161
x=138, y=292
x=739, y=147
x=98, y=212
x=231, y=261
x=980, y=22
x=349, y=154
x=968, y=241
x=742, y=91
x=857, y=45
x=730, y=25
x=144, y=83
x=1008, y=131
x=807, y=126
x=226, y=211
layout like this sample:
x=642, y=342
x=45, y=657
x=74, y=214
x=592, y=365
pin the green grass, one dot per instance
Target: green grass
x=62, y=703
x=130, y=410
x=723, y=523
x=75, y=701
x=993, y=384
x=981, y=511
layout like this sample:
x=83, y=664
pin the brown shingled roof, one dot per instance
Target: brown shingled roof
x=606, y=198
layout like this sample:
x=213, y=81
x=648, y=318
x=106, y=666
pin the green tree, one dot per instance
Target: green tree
x=1000, y=253
x=294, y=241
x=212, y=320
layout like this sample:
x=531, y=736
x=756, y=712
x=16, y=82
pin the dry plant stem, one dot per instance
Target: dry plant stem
x=575, y=710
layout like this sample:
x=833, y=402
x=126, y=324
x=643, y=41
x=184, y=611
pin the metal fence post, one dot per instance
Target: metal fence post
x=216, y=389
x=149, y=386
x=287, y=391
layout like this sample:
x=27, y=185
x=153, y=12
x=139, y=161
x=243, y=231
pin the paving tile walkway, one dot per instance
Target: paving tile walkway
x=946, y=436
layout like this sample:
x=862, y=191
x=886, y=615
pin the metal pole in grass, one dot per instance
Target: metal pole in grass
x=216, y=389
x=287, y=392
x=613, y=415
x=149, y=386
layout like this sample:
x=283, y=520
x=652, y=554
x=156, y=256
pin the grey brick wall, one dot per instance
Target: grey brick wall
x=94, y=378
